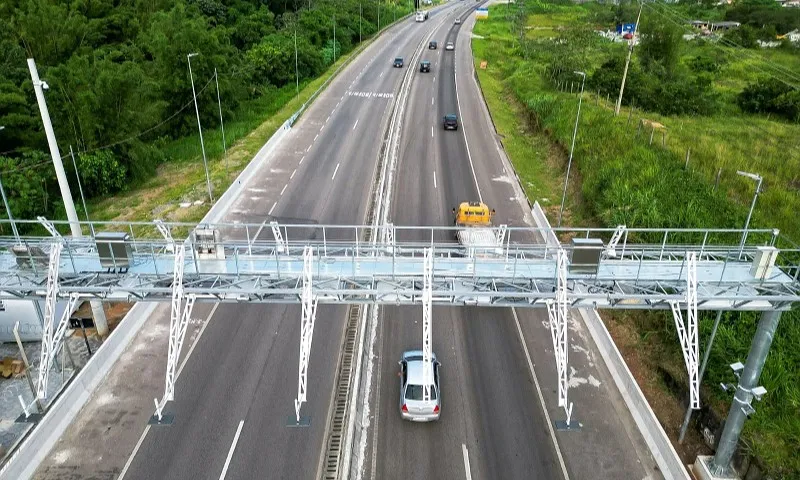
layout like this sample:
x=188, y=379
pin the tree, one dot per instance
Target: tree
x=661, y=44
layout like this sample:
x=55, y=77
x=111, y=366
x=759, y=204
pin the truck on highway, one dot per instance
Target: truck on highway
x=475, y=232
x=422, y=15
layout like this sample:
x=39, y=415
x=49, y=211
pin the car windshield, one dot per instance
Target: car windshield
x=450, y=118
x=414, y=392
x=398, y=59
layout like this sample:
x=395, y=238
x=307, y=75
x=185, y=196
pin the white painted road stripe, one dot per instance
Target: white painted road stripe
x=230, y=452
x=431, y=131
x=354, y=126
x=177, y=375
x=434, y=179
x=431, y=100
x=315, y=138
x=273, y=208
x=292, y=176
x=541, y=397
x=301, y=160
x=334, y=172
x=466, y=462
x=284, y=188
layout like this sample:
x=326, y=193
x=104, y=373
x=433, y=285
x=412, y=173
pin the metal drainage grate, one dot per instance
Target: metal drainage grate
x=339, y=417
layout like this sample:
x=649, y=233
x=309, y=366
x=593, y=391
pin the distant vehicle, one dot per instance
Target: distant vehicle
x=450, y=122
x=433, y=45
x=628, y=36
x=412, y=405
x=449, y=46
x=458, y=21
x=425, y=66
x=421, y=16
x=398, y=62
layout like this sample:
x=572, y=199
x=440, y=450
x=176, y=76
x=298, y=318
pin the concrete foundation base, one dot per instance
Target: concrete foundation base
x=702, y=471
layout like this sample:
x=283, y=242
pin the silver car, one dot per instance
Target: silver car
x=412, y=406
x=449, y=46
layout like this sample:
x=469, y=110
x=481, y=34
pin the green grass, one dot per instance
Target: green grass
x=623, y=180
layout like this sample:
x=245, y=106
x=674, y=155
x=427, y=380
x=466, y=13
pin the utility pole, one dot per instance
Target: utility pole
x=758, y=179
x=8, y=208
x=572, y=148
x=72, y=216
x=628, y=59
x=296, y=68
x=199, y=129
x=746, y=390
x=221, y=125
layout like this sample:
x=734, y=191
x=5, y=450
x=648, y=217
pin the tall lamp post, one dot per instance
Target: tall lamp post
x=572, y=148
x=39, y=87
x=8, y=207
x=199, y=129
x=758, y=179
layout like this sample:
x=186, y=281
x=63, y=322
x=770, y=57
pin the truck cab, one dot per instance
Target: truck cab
x=473, y=214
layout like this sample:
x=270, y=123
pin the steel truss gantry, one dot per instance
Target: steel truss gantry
x=427, y=333
x=687, y=331
x=309, y=311
x=311, y=264
x=558, y=314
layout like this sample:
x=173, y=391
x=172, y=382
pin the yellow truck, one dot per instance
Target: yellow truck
x=476, y=232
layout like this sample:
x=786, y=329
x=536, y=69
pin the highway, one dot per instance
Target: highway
x=238, y=377
x=236, y=392
x=493, y=422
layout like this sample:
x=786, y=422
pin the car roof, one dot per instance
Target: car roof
x=449, y=43
x=425, y=61
x=414, y=370
x=451, y=116
x=398, y=58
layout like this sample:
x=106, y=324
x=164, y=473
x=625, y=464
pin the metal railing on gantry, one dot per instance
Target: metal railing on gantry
x=677, y=269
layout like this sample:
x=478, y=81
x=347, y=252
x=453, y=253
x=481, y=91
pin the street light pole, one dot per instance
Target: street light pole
x=758, y=179
x=8, y=207
x=572, y=148
x=221, y=124
x=199, y=129
x=628, y=60
x=72, y=216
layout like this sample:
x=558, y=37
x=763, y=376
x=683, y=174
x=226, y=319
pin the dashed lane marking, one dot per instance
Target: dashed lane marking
x=284, y=188
x=334, y=172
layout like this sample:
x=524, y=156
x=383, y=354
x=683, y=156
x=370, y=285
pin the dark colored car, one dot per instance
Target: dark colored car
x=450, y=122
x=425, y=66
x=433, y=45
x=398, y=62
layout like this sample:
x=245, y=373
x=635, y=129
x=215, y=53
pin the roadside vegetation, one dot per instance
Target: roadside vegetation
x=120, y=93
x=728, y=106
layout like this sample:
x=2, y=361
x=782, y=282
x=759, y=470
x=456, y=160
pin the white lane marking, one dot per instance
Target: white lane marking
x=354, y=126
x=230, y=452
x=466, y=461
x=431, y=100
x=431, y=131
x=284, y=188
x=329, y=117
x=273, y=208
x=464, y=132
x=381, y=74
x=316, y=136
x=334, y=172
x=177, y=375
x=434, y=79
x=309, y=148
x=541, y=397
x=292, y=175
x=301, y=160
x=434, y=179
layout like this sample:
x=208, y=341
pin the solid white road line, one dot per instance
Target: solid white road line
x=434, y=179
x=177, y=375
x=334, y=172
x=292, y=175
x=541, y=397
x=284, y=188
x=273, y=208
x=354, y=126
x=230, y=452
x=431, y=131
x=431, y=100
x=466, y=462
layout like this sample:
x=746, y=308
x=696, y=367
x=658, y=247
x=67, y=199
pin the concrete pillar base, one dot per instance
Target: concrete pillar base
x=702, y=470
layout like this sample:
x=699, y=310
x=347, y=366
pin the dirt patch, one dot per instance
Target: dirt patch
x=115, y=312
x=646, y=359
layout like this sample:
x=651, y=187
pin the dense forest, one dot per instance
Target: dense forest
x=119, y=84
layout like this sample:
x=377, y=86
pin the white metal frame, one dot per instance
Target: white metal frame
x=687, y=331
x=178, y=323
x=611, y=249
x=167, y=234
x=309, y=309
x=558, y=312
x=48, y=336
x=427, y=341
x=276, y=231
